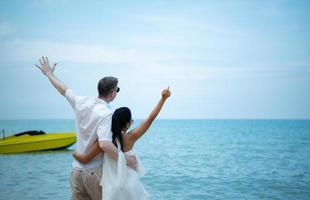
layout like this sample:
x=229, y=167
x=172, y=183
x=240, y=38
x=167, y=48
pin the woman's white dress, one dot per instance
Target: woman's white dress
x=120, y=182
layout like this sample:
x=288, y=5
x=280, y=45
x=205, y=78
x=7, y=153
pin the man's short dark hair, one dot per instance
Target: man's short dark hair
x=106, y=85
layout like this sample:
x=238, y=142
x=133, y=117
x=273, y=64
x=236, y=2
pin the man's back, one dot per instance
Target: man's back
x=91, y=114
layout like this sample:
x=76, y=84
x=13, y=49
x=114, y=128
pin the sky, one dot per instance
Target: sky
x=221, y=59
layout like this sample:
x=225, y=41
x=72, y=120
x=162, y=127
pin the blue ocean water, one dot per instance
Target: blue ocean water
x=185, y=159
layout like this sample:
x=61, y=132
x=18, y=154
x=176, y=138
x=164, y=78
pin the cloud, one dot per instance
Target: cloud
x=163, y=19
x=81, y=53
x=187, y=30
x=173, y=65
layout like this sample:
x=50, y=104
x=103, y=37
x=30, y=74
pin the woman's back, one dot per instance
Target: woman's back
x=128, y=143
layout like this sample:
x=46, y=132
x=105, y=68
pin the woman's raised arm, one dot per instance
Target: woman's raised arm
x=142, y=128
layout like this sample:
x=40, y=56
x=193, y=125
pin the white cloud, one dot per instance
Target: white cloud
x=168, y=66
x=162, y=19
x=82, y=53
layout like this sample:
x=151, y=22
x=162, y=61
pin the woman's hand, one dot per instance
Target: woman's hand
x=165, y=93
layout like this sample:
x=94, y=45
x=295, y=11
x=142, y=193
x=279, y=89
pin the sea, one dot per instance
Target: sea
x=184, y=159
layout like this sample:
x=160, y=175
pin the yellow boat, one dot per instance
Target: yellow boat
x=36, y=141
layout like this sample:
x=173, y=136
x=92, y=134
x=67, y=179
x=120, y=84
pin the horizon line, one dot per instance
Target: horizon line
x=171, y=119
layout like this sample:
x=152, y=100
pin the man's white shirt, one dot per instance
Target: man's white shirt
x=93, y=121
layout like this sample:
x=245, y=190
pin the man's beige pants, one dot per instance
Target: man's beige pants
x=85, y=184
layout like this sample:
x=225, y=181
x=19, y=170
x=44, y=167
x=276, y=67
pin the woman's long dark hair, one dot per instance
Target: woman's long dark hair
x=120, y=118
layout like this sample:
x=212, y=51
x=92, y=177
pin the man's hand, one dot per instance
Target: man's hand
x=131, y=162
x=47, y=70
x=45, y=67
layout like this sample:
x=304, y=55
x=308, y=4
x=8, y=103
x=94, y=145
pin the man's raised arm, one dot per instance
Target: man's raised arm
x=48, y=71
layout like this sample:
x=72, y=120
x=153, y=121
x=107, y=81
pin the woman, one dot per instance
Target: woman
x=118, y=180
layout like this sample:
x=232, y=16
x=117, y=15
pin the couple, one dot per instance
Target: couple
x=105, y=165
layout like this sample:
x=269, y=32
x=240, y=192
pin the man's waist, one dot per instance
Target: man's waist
x=90, y=165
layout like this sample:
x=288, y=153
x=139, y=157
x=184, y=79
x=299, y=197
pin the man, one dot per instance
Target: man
x=93, y=122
